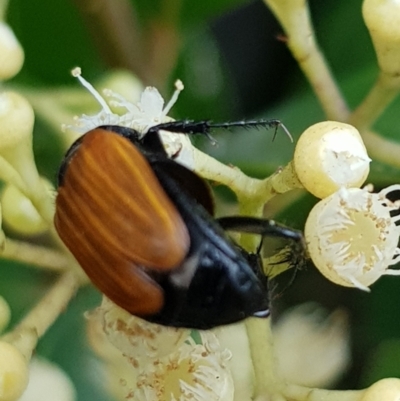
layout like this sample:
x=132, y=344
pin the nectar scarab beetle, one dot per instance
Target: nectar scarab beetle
x=142, y=228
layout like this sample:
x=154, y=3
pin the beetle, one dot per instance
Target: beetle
x=142, y=228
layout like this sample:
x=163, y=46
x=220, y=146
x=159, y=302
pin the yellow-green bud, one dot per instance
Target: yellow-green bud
x=19, y=214
x=16, y=125
x=11, y=53
x=330, y=155
x=382, y=18
x=13, y=372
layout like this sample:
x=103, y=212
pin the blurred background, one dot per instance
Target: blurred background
x=232, y=58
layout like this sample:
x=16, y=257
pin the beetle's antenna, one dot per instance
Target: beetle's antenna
x=254, y=124
x=204, y=127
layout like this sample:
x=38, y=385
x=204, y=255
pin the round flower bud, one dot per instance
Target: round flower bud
x=13, y=372
x=352, y=237
x=383, y=390
x=382, y=18
x=11, y=53
x=19, y=214
x=330, y=155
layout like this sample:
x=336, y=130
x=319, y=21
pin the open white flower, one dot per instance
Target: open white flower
x=147, y=112
x=352, y=236
x=137, y=339
x=196, y=372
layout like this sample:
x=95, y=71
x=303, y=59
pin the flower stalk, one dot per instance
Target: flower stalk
x=295, y=18
x=26, y=334
x=36, y=255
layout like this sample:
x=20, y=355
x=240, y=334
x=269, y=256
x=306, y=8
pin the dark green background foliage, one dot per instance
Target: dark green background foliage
x=233, y=67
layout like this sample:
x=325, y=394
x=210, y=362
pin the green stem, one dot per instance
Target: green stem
x=374, y=104
x=264, y=364
x=36, y=255
x=295, y=18
x=251, y=192
x=382, y=149
x=383, y=92
x=26, y=334
x=298, y=393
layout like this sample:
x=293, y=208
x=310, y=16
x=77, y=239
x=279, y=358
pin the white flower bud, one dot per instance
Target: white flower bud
x=19, y=214
x=352, y=237
x=13, y=372
x=330, y=155
x=11, y=53
x=312, y=348
x=382, y=18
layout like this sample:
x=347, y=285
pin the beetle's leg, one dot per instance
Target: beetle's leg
x=295, y=255
x=264, y=227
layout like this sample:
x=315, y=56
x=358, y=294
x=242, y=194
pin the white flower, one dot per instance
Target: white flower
x=147, y=112
x=312, y=348
x=196, y=372
x=137, y=339
x=352, y=236
x=161, y=363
